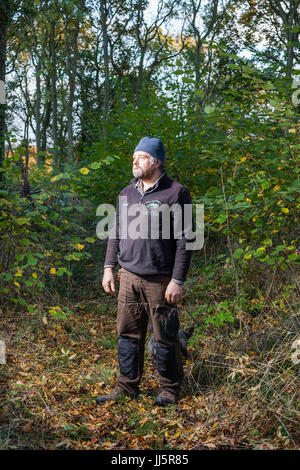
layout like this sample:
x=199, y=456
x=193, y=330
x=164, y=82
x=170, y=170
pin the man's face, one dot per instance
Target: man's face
x=142, y=166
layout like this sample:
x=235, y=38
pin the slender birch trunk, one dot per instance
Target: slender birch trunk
x=71, y=46
x=4, y=8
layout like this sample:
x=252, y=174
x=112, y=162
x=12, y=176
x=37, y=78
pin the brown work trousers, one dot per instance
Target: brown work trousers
x=141, y=299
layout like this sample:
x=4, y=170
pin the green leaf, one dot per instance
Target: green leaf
x=221, y=218
x=199, y=92
x=209, y=109
x=31, y=308
x=95, y=165
x=269, y=86
x=32, y=261
x=238, y=253
x=21, y=221
x=90, y=240
x=61, y=271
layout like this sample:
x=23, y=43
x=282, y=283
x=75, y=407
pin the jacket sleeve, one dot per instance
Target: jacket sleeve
x=183, y=255
x=113, y=243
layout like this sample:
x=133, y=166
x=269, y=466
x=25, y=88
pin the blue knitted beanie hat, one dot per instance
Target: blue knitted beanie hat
x=153, y=146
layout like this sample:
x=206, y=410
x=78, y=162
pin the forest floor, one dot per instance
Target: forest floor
x=56, y=368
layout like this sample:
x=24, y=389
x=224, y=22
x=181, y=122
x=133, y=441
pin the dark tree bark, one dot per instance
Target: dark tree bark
x=106, y=97
x=200, y=38
x=71, y=46
x=40, y=61
x=289, y=13
x=46, y=116
x=53, y=92
x=5, y=9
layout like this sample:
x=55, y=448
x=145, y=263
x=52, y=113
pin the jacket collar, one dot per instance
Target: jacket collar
x=138, y=183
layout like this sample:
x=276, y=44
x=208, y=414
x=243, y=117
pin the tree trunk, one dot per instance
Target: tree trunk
x=105, y=108
x=47, y=115
x=38, y=117
x=38, y=111
x=71, y=46
x=4, y=9
x=54, y=95
x=291, y=21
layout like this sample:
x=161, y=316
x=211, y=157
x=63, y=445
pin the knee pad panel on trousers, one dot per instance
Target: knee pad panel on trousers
x=166, y=361
x=169, y=323
x=128, y=356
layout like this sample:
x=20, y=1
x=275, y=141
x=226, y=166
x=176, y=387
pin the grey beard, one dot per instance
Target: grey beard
x=137, y=172
x=140, y=173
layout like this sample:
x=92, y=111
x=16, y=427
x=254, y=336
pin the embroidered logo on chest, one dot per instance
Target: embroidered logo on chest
x=152, y=205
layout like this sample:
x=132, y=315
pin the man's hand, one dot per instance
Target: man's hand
x=173, y=292
x=108, y=281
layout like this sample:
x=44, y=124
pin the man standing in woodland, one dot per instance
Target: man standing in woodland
x=152, y=274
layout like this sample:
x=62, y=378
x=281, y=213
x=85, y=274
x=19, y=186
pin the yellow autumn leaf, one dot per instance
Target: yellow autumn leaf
x=84, y=171
x=243, y=159
x=276, y=187
x=16, y=284
x=34, y=275
x=79, y=247
x=285, y=210
x=248, y=256
x=52, y=271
